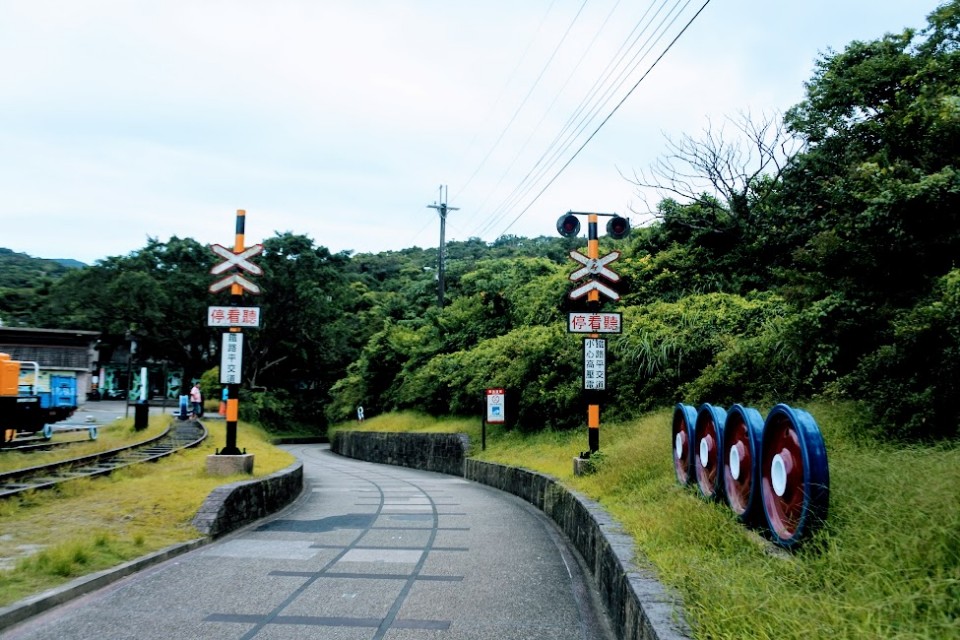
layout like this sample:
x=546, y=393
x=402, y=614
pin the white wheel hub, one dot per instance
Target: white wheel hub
x=735, y=462
x=778, y=475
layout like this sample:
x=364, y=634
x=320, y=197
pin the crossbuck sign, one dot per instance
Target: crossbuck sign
x=240, y=260
x=595, y=266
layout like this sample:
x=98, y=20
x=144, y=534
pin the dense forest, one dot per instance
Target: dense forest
x=809, y=253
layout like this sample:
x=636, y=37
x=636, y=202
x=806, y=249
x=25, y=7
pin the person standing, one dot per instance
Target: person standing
x=196, y=400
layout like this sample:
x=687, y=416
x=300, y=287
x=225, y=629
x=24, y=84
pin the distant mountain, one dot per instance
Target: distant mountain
x=22, y=271
x=70, y=263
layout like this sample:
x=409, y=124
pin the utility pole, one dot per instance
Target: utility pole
x=442, y=209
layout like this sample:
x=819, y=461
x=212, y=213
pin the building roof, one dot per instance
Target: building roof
x=52, y=337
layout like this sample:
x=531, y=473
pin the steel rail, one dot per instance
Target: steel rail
x=183, y=435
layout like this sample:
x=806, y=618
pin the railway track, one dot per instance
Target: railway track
x=181, y=435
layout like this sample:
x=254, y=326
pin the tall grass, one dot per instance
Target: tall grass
x=886, y=564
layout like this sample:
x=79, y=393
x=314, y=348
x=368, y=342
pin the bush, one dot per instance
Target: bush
x=694, y=348
x=913, y=383
x=539, y=366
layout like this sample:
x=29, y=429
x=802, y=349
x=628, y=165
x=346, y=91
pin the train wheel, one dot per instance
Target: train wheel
x=47, y=431
x=684, y=417
x=795, y=480
x=708, y=434
x=742, y=433
x=94, y=433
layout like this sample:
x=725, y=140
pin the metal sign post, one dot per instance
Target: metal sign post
x=495, y=414
x=235, y=317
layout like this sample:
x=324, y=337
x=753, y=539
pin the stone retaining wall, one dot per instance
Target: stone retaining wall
x=441, y=452
x=638, y=605
x=233, y=505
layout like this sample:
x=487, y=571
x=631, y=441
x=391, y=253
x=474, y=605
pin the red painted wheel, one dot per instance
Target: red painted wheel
x=795, y=480
x=684, y=417
x=708, y=439
x=742, y=434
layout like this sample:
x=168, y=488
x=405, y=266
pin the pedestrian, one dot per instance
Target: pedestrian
x=359, y=414
x=196, y=399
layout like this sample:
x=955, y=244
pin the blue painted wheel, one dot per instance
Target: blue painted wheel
x=684, y=417
x=742, y=434
x=708, y=442
x=94, y=433
x=47, y=431
x=794, y=476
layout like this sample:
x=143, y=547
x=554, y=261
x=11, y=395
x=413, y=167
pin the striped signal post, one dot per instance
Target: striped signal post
x=232, y=346
x=593, y=302
x=233, y=390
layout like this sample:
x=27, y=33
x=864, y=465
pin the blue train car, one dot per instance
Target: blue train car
x=59, y=400
x=30, y=408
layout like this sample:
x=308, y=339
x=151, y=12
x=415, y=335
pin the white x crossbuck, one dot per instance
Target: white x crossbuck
x=594, y=285
x=240, y=260
x=234, y=279
x=595, y=266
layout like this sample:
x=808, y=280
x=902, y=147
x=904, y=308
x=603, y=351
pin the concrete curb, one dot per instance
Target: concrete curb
x=33, y=605
x=638, y=605
x=226, y=509
x=231, y=506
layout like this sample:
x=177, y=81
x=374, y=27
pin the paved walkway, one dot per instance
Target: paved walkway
x=368, y=552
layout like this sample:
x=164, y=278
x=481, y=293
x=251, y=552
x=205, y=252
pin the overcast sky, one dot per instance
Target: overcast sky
x=127, y=119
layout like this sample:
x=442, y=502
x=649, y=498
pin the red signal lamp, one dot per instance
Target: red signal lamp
x=618, y=227
x=568, y=226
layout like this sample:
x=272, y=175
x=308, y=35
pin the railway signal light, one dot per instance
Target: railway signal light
x=618, y=227
x=568, y=226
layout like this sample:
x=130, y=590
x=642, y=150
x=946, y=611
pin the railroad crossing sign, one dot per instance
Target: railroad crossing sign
x=231, y=358
x=233, y=317
x=239, y=260
x=594, y=322
x=594, y=285
x=234, y=278
x=595, y=266
x=594, y=364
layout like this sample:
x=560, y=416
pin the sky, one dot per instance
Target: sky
x=125, y=120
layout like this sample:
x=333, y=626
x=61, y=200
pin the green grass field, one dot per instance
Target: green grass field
x=52, y=536
x=885, y=565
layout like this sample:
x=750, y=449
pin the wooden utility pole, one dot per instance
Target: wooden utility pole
x=442, y=209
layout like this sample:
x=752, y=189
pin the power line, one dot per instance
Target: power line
x=610, y=115
x=496, y=102
x=530, y=91
x=567, y=134
x=553, y=102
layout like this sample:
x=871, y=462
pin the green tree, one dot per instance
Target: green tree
x=878, y=187
x=307, y=333
x=156, y=295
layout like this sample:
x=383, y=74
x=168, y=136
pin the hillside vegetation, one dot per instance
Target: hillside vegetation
x=24, y=281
